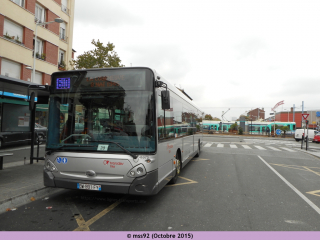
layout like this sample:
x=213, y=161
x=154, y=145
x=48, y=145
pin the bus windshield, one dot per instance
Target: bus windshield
x=100, y=118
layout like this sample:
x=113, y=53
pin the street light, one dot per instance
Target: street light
x=58, y=20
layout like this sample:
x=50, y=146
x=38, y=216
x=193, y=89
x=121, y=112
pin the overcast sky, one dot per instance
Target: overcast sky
x=235, y=54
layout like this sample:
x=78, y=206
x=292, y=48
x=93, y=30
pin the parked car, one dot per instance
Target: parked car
x=20, y=137
x=299, y=134
x=316, y=138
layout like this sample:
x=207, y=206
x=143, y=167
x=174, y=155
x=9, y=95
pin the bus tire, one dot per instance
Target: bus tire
x=178, y=169
x=198, y=153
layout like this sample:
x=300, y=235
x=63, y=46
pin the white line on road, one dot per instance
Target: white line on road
x=273, y=148
x=208, y=145
x=233, y=146
x=246, y=147
x=260, y=148
x=288, y=149
x=292, y=187
x=220, y=145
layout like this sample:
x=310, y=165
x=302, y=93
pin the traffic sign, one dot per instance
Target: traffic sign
x=305, y=116
x=278, y=131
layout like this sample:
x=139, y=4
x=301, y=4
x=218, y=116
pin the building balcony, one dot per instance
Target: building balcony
x=63, y=36
x=64, y=9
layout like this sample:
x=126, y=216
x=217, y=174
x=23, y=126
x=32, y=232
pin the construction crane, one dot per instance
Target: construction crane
x=222, y=118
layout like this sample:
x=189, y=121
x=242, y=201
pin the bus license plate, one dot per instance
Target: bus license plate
x=89, y=186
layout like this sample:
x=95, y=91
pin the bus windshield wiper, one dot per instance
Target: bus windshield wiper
x=124, y=149
x=68, y=145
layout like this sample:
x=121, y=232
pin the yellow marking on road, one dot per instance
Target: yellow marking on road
x=80, y=220
x=85, y=225
x=200, y=159
x=303, y=168
x=189, y=182
x=314, y=193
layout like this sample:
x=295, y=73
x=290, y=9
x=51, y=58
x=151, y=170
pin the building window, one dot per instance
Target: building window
x=12, y=31
x=64, y=6
x=39, y=49
x=10, y=69
x=61, y=60
x=63, y=31
x=40, y=13
x=38, y=78
x=19, y=2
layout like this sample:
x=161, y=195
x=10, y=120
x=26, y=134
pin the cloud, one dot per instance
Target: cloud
x=168, y=60
x=249, y=48
x=105, y=14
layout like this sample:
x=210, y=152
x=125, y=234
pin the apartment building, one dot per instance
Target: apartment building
x=20, y=22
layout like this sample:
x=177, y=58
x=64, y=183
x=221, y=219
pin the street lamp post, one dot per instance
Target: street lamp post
x=58, y=20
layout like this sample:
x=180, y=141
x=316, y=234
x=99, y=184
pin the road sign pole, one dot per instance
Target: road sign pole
x=307, y=123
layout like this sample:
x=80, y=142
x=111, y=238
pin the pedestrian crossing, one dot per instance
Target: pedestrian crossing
x=243, y=146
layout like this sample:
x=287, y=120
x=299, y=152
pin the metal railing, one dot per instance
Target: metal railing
x=63, y=36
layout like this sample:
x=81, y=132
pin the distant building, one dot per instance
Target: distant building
x=313, y=118
x=256, y=114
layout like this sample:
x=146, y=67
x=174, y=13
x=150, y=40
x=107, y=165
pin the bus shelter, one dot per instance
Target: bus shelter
x=18, y=101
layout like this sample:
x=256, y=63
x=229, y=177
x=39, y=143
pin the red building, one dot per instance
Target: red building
x=256, y=114
x=288, y=117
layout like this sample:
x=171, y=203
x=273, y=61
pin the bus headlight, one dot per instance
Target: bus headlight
x=50, y=166
x=137, y=171
x=145, y=158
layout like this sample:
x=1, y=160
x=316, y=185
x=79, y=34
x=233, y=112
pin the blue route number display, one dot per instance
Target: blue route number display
x=278, y=131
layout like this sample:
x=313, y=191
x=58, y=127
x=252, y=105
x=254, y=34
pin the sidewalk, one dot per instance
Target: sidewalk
x=21, y=184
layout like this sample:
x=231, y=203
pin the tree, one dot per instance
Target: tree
x=284, y=129
x=100, y=57
x=234, y=126
x=208, y=117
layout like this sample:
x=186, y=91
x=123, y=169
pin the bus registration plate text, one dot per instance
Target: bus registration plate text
x=89, y=186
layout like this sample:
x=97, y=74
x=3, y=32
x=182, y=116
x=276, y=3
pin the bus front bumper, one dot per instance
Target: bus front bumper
x=145, y=185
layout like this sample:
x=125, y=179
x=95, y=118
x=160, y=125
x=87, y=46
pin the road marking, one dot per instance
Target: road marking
x=303, y=168
x=208, y=145
x=200, y=159
x=314, y=193
x=260, y=148
x=292, y=187
x=288, y=149
x=246, y=147
x=189, y=182
x=220, y=145
x=76, y=214
x=275, y=149
x=86, y=225
x=233, y=146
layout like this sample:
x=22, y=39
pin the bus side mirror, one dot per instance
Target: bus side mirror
x=31, y=102
x=165, y=99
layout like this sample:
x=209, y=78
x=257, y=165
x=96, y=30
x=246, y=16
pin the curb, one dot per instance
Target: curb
x=25, y=198
x=310, y=153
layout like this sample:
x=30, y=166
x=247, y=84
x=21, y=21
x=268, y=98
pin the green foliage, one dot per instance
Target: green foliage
x=240, y=131
x=284, y=129
x=208, y=117
x=101, y=57
x=234, y=126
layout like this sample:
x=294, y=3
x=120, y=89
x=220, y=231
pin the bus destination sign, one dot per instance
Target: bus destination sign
x=63, y=83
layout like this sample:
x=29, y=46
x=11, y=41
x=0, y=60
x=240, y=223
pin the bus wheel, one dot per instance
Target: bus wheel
x=178, y=170
x=198, y=153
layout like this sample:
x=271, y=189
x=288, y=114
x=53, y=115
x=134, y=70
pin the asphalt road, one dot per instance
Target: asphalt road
x=227, y=188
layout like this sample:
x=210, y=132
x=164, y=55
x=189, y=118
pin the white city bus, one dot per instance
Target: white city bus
x=118, y=130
